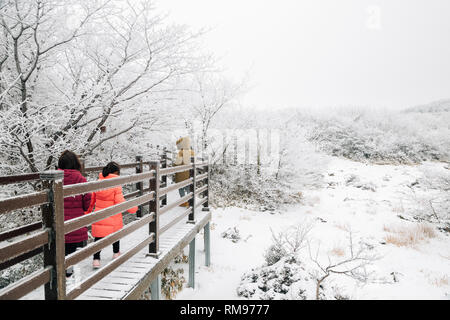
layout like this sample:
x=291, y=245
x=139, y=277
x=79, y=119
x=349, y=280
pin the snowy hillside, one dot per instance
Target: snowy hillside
x=432, y=107
x=409, y=255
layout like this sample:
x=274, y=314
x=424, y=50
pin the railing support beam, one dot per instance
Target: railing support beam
x=191, y=282
x=155, y=288
x=164, y=178
x=207, y=242
x=140, y=185
x=192, y=174
x=154, y=207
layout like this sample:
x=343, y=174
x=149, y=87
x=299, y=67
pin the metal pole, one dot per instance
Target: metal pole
x=206, y=206
x=140, y=185
x=155, y=288
x=164, y=178
x=207, y=242
x=154, y=207
x=191, y=282
x=192, y=189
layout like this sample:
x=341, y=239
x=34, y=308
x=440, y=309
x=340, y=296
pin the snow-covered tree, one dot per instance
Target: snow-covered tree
x=77, y=74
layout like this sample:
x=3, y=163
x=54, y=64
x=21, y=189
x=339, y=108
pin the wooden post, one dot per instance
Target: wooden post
x=155, y=288
x=53, y=221
x=192, y=188
x=164, y=178
x=207, y=242
x=154, y=207
x=140, y=185
x=191, y=281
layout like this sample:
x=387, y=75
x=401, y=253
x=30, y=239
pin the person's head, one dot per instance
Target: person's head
x=112, y=167
x=184, y=143
x=69, y=160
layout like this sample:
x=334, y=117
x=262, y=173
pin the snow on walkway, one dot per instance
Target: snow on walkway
x=368, y=203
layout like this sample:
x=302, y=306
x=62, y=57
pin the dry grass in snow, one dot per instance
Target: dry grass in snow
x=408, y=236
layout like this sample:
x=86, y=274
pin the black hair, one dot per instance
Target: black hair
x=110, y=168
x=69, y=160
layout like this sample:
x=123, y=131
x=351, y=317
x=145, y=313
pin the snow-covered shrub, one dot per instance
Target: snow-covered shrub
x=232, y=234
x=355, y=181
x=241, y=186
x=290, y=273
x=381, y=136
x=428, y=198
x=181, y=258
x=274, y=254
x=287, y=242
x=286, y=279
x=172, y=282
x=291, y=278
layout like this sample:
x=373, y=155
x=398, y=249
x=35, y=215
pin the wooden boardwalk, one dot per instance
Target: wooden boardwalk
x=135, y=275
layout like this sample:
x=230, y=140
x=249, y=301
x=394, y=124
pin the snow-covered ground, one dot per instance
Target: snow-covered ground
x=366, y=199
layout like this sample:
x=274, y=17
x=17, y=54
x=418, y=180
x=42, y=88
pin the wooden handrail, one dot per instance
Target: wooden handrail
x=4, y=180
x=26, y=177
x=176, y=203
x=176, y=220
x=24, y=286
x=88, y=219
x=19, y=231
x=175, y=169
x=202, y=189
x=20, y=258
x=87, y=187
x=22, y=246
x=201, y=177
x=86, y=252
x=25, y=201
x=164, y=191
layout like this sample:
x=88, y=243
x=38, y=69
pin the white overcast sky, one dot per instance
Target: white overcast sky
x=379, y=53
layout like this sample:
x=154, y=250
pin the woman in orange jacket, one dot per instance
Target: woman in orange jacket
x=104, y=199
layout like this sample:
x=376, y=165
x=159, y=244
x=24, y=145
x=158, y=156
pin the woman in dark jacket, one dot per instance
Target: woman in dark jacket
x=73, y=206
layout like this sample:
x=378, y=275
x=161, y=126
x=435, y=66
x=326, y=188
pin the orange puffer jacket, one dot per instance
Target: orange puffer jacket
x=104, y=199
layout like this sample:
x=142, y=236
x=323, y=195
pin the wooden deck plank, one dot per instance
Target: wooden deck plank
x=94, y=298
x=107, y=294
x=137, y=265
x=124, y=274
x=131, y=271
x=119, y=281
x=107, y=285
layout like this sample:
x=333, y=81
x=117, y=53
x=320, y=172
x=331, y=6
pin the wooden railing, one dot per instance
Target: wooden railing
x=48, y=236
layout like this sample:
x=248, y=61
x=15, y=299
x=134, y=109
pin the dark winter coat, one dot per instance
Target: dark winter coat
x=75, y=207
